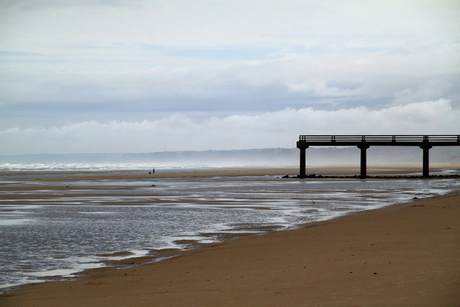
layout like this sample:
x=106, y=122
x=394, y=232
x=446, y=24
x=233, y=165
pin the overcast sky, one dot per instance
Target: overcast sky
x=94, y=76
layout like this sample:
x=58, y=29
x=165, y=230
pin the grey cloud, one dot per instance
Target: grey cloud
x=339, y=80
x=34, y=5
x=65, y=63
x=321, y=24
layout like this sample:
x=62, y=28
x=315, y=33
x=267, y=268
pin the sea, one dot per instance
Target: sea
x=55, y=230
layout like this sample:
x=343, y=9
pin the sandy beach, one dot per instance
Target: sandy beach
x=402, y=255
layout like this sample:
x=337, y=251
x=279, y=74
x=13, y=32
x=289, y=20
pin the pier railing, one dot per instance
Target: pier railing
x=380, y=138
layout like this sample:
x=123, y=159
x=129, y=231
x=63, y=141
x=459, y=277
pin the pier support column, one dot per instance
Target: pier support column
x=426, y=160
x=363, y=148
x=303, y=159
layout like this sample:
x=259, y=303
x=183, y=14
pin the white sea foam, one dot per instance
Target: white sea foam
x=10, y=222
x=159, y=167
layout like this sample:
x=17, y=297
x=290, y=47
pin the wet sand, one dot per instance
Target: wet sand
x=292, y=172
x=407, y=255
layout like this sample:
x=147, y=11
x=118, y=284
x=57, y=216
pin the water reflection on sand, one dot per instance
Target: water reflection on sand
x=51, y=229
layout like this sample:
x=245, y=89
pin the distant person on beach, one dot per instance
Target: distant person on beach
x=153, y=171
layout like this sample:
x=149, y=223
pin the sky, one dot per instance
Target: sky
x=100, y=76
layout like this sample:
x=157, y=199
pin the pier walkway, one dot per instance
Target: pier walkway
x=363, y=142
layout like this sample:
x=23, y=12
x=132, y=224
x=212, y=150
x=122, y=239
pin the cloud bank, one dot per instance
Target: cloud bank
x=278, y=129
x=143, y=76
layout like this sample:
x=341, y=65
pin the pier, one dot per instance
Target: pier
x=363, y=142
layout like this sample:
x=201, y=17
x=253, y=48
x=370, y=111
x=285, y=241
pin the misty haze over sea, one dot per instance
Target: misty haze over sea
x=272, y=157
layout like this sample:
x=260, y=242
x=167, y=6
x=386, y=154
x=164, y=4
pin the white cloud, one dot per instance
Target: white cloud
x=264, y=130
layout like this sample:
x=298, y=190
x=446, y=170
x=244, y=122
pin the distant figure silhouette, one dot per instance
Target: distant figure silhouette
x=153, y=172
